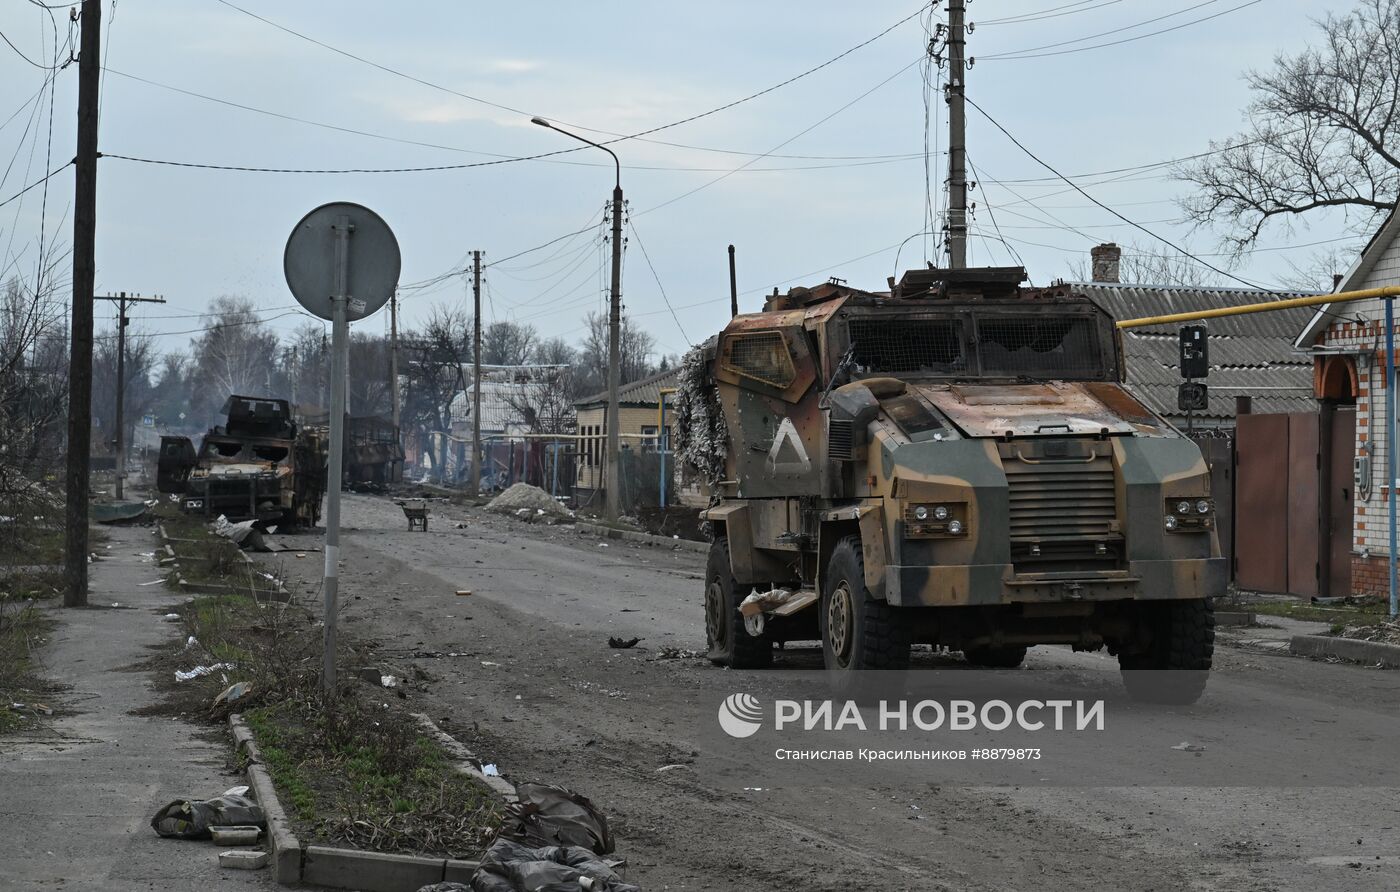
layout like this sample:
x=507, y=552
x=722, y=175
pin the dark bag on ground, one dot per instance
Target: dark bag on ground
x=547, y=815
x=513, y=867
x=192, y=818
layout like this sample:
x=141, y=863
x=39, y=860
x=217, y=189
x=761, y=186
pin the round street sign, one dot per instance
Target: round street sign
x=372, y=260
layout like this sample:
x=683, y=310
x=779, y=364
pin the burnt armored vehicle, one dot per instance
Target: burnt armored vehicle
x=259, y=465
x=955, y=462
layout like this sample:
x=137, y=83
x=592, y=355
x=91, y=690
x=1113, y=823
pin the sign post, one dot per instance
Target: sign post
x=341, y=263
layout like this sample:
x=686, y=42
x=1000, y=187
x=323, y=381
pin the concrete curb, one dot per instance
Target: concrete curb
x=602, y=532
x=1369, y=652
x=285, y=848
x=293, y=863
x=467, y=760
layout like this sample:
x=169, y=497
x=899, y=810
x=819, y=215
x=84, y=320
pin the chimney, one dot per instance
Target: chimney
x=1105, y=259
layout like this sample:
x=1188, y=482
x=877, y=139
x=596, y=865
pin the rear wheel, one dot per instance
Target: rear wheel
x=1175, y=665
x=858, y=631
x=730, y=645
x=1005, y=657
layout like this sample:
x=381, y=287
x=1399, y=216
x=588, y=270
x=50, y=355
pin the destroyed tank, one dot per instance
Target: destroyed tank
x=259, y=465
x=954, y=462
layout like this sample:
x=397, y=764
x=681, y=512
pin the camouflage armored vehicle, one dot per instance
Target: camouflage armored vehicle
x=259, y=465
x=954, y=462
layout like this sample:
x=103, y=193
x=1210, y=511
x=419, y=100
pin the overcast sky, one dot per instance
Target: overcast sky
x=843, y=187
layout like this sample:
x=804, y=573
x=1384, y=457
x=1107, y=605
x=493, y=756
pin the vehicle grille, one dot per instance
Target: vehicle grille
x=840, y=433
x=1062, y=499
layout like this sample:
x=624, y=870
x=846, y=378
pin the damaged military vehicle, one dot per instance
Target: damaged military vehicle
x=259, y=465
x=955, y=462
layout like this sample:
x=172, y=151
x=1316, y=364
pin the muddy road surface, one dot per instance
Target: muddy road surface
x=1286, y=782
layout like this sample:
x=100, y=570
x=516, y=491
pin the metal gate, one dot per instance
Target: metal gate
x=1293, y=503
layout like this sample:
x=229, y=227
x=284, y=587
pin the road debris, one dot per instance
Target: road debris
x=1189, y=747
x=617, y=643
x=464, y=593
x=233, y=692
x=529, y=503
x=242, y=835
x=201, y=671
x=243, y=860
x=490, y=770
x=194, y=818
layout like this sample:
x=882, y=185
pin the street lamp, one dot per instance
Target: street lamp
x=611, y=475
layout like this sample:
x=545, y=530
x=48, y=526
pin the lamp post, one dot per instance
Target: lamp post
x=611, y=479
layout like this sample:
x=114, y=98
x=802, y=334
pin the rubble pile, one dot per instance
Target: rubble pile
x=701, y=433
x=529, y=503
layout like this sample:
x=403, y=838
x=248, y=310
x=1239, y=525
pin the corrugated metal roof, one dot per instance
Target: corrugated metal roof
x=642, y=392
x=1251, y=354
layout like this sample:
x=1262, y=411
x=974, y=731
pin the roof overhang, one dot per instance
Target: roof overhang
x=1365, y=262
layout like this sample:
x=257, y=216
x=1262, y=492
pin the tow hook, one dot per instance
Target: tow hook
x=1073, y=590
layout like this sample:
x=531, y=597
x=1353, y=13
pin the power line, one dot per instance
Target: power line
x=1046, y=13
x=36, y=183
x=795, y=136
x=617, y=138
x=662, y=288
x=1030, y=54
x=1115, y=213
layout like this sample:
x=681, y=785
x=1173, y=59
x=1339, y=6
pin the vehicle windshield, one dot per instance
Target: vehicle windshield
x=981, y=345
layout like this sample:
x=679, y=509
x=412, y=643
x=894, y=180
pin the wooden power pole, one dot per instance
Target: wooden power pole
x=122, y=300
x=78, y=459
x=476, y=374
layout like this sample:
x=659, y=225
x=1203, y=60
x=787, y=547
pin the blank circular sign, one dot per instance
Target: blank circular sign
x=372, y=260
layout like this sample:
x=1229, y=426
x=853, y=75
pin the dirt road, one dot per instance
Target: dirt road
x=1295, y=788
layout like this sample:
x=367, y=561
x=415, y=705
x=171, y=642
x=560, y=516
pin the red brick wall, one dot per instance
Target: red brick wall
x=1370, y=575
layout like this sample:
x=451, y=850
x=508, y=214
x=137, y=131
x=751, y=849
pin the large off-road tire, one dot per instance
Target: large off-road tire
x=859, y=632
x=1004, y=657
x=1176, y=664
x=730, y=645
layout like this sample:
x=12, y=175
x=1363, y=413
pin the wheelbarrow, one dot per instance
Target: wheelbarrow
x=416, y=511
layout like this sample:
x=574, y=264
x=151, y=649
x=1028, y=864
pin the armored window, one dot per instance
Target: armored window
x=762, y=356
x=908, y=346
x=1040, y=347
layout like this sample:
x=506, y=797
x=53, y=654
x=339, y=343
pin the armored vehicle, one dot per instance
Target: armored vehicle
x=953, y=462
x=259, y=465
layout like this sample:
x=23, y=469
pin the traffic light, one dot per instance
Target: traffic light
x=1195, y=357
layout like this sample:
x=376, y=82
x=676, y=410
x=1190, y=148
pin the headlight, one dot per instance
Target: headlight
x=955, y=527
x=1183, y=507
x=1171, y=520
x=1203, y=506
x=921, y=513
x=940, y=513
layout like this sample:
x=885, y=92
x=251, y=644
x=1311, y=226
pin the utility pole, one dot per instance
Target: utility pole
x=122, y=300
x=476, y=373
x=394, y=357
x=957, y=136
x=78, y=460
x=611, y=479
x=733, y=287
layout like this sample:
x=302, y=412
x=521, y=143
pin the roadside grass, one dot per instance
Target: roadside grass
x=1336, y=615
x=23, y=628
x=351, y=769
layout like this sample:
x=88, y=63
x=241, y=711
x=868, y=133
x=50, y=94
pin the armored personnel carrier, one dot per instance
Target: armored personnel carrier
x=953, y=462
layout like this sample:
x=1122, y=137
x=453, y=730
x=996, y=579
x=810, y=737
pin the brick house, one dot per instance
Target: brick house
x=1347, y=342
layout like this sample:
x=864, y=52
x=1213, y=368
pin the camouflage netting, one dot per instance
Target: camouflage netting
x=701, y=434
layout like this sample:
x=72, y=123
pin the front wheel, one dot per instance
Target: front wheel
x=858, y=631
x=729, y=643
x=1175, y=664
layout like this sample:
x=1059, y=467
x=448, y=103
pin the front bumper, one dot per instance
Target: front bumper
x=973, y=584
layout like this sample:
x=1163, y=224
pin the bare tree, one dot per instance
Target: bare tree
x=1323, y=132
x=434, y=374
x=174, y=387
x=1319, y=272
x=543, y=398
x=140, y=393
x=507, y=343
x=33, y=376
x=554, y=351
x=637, y=347
x=236, y=354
